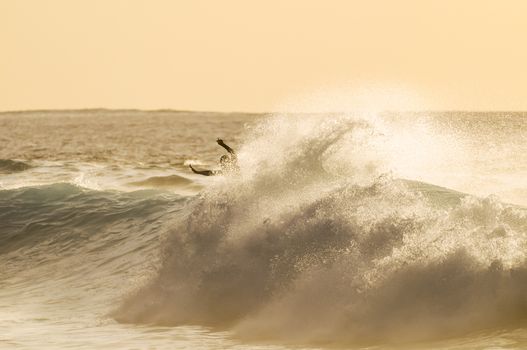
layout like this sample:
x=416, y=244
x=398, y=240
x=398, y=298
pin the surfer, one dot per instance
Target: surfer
x=228, y=163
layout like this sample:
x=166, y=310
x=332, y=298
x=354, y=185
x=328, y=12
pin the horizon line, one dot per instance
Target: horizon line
x=246, y=112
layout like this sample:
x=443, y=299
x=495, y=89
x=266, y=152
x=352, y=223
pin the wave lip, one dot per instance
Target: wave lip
x=8, y=166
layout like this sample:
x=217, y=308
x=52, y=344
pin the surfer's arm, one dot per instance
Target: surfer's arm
x=222, y=144
x=202, y=172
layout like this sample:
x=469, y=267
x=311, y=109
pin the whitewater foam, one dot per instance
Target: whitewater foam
x=315, y=241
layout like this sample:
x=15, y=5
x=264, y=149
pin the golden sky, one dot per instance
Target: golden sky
x=247, y=55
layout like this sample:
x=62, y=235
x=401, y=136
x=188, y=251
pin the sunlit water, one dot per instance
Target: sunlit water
x=385, y=231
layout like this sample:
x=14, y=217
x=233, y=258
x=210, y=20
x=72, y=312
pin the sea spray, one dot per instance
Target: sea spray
x=315, y=241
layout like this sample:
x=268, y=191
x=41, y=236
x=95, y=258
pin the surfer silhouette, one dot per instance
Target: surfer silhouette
x=228, y=163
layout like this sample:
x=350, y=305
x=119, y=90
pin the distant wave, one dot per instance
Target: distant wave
x=314, y=242
x=8, y=166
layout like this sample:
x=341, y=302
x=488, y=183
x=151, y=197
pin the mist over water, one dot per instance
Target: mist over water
x=342, y=230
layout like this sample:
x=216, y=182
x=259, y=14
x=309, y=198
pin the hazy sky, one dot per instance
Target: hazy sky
x=263, y=55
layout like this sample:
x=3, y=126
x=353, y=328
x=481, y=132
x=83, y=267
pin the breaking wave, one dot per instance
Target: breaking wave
x=316, y=241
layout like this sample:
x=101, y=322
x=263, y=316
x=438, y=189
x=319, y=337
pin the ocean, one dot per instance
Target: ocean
x=341, y=230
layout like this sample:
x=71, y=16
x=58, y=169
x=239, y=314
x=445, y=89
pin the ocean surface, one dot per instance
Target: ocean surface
x=341, y=230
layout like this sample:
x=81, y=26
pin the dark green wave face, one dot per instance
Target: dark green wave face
x=64, y=217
